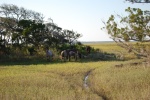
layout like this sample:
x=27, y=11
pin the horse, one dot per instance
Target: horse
x=64, y=55
x=49, y=55
x=69, y=53
x=88, y=49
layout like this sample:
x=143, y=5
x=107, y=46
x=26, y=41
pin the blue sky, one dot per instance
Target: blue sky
x=82, y=16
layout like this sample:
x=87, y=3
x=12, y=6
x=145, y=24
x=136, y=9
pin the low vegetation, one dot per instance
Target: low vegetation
x=121, y=83
x=36, y=80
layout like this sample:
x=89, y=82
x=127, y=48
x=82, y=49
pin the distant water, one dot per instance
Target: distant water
x=96, y=42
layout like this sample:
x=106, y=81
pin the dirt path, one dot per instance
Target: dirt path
x=86, y=78
x=86, y=85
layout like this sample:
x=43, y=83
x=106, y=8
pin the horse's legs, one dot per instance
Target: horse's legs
x=69, y=57
x=75, y=57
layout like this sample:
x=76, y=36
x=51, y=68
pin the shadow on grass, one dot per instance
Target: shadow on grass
x=28, y=62
x=43, y=61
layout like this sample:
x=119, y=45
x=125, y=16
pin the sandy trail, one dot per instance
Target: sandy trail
x=86, y=85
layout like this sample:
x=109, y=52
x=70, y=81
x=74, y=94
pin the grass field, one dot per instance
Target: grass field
x=66, y=80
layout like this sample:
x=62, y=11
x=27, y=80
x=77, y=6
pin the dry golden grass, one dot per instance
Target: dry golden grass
x=65, y=81
x=49, y=82
x=125, y=83
x=115, y=49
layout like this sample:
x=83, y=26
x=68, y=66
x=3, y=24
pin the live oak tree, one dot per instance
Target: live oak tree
x=133, y=27
x=71, y=36
x=22, y=28
x=139, y=1
x=53, y=33
x=32, y=32
x=10, y=16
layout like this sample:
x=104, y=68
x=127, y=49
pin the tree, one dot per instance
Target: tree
x=10, y=15
x=134, y=27
x=21, y=28
x=71, y=36
x=139, y=1
x=31, y=32
x=54, y=34
x=14, y=12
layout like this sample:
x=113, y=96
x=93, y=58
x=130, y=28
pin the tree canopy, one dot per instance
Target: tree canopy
x=24, y=28
x=133, y=27
x=139, y=1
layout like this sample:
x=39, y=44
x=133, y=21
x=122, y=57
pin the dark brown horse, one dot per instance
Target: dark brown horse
x=88, y=49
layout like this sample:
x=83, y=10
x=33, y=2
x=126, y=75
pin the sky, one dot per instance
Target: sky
x=82, y=16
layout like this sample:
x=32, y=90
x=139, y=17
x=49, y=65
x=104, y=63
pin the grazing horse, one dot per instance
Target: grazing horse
x=49, y=55
x=67, y=54
x=88, y=49
x=64, y=55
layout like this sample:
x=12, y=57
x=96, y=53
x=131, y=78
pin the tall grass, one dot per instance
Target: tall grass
x=65, y=80
x=49, y=82
x=125, y=83
x=115, y=49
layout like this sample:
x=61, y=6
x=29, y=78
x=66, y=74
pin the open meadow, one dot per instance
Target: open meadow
x=81, y=80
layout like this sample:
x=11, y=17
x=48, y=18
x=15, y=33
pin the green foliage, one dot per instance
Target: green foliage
x=137, y=25
x=133, y=27
x=22, y=28
x=32, y=50
x=138, y=1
